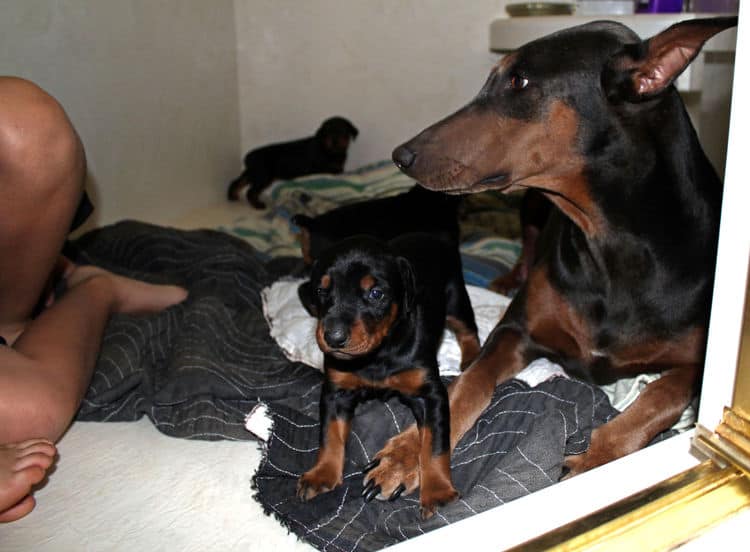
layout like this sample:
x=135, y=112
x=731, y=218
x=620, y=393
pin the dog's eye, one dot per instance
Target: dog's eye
x=517, y=82
x=320, y=291
x=375, y=294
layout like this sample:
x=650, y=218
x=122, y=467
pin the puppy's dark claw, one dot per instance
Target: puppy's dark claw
x=397, y=493
x=372, y=493
x=372, y=465
x=370, y=485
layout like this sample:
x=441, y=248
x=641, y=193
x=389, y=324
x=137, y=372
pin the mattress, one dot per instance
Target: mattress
x=125, y=485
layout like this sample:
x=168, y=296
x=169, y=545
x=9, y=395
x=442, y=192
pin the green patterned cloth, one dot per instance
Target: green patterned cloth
x=488, y=221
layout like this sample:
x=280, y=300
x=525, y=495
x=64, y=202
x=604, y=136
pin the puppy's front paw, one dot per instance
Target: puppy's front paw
x=320, y=479
x=395, y=469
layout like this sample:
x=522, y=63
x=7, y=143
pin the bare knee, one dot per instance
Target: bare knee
x=37, y=139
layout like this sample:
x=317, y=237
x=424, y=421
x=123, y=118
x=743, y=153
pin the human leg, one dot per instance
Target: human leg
x=47, y=367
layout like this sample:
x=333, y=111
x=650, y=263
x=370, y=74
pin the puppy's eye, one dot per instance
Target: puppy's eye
x=320, y=291
x=517, y=82
x=375, y=294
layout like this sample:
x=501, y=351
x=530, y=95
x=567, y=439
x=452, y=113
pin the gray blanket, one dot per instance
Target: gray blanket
x=198, y=368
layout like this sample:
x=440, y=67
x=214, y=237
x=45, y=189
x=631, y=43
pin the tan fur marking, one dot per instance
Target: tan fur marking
x=367, y=282
x=436, y=488
x=471, y=392
x=468, y=341
x=553, y=164
x=362, y=339
x=552, y=322
x=305, y=245
x=327, y=473
x=407, y=382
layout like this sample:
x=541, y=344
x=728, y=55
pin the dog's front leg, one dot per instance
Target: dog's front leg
x=395, y=468
x=656, y=409
x=335, y=422
x=436, y=488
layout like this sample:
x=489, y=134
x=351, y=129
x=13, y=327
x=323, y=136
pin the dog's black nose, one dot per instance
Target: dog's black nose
x=403, y=157
x=336, y=335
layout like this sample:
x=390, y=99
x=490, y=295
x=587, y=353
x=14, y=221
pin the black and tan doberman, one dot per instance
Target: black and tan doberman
x=381, y=310
x=622, y=284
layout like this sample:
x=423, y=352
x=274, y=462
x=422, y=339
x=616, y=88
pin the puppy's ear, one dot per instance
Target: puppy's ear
x=409, y=283
x=307, y=296
x=352, y=130
x=643, y=70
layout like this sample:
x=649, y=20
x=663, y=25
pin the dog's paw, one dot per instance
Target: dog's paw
x=320, y=479
x=434, y=497
x=601, y=450
x=395, y=469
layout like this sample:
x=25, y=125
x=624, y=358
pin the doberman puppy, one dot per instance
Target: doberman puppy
x=416, y=210
x=325, y=152
x=622, y=283
x=381, y=309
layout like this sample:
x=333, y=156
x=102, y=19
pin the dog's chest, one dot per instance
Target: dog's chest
x=377, y=378
x=601, y=333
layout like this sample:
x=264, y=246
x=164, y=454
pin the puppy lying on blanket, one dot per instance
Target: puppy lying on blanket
x=325, y=152
x=417, y=210
x=381, y=308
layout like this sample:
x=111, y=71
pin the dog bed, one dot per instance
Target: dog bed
x=196, y=370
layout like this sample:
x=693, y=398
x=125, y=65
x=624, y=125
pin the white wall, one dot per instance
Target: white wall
x=392, y=66
x=151, y=87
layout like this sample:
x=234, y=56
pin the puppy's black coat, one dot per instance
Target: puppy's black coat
x=381, y=309
x=325, y=152
x=417, y=210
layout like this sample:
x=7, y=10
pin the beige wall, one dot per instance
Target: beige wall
x=151, y=87
x=391, y=66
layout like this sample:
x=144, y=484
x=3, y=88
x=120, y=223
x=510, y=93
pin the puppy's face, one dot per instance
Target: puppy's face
x=336, y=134
x=357, y=290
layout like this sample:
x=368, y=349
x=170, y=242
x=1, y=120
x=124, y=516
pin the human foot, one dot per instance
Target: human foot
x=22, y=465
x=131, y=296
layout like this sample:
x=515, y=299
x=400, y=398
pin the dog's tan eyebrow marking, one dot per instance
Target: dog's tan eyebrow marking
x=505, y=62
x=325, y=281
x=367, y=281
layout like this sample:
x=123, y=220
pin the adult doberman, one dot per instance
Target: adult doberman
x=622, y=284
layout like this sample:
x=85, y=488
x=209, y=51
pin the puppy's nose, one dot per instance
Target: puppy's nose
x=403, y=157
x=336, y=335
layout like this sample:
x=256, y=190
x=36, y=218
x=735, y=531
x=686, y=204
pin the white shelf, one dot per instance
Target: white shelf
x=508, y=34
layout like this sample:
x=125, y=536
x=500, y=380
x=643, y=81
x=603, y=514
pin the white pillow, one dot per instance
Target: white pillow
x=294, y=329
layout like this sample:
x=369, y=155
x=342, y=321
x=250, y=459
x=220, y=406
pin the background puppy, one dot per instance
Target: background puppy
x=325, y=152
x=417, y=210
x=381, y=309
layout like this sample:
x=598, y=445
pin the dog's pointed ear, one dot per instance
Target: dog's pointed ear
x=307, y=297
x=645, y=69
x=353, y=130
x=409, y=283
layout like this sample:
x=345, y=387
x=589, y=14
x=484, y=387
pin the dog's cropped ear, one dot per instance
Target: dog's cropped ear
x=307, y=296
x=645, y=69
x=409, y=283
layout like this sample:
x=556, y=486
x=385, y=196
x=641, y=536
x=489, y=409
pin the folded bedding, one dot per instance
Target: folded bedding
x=197, y=369
x=489, y=222
x=241, y=343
